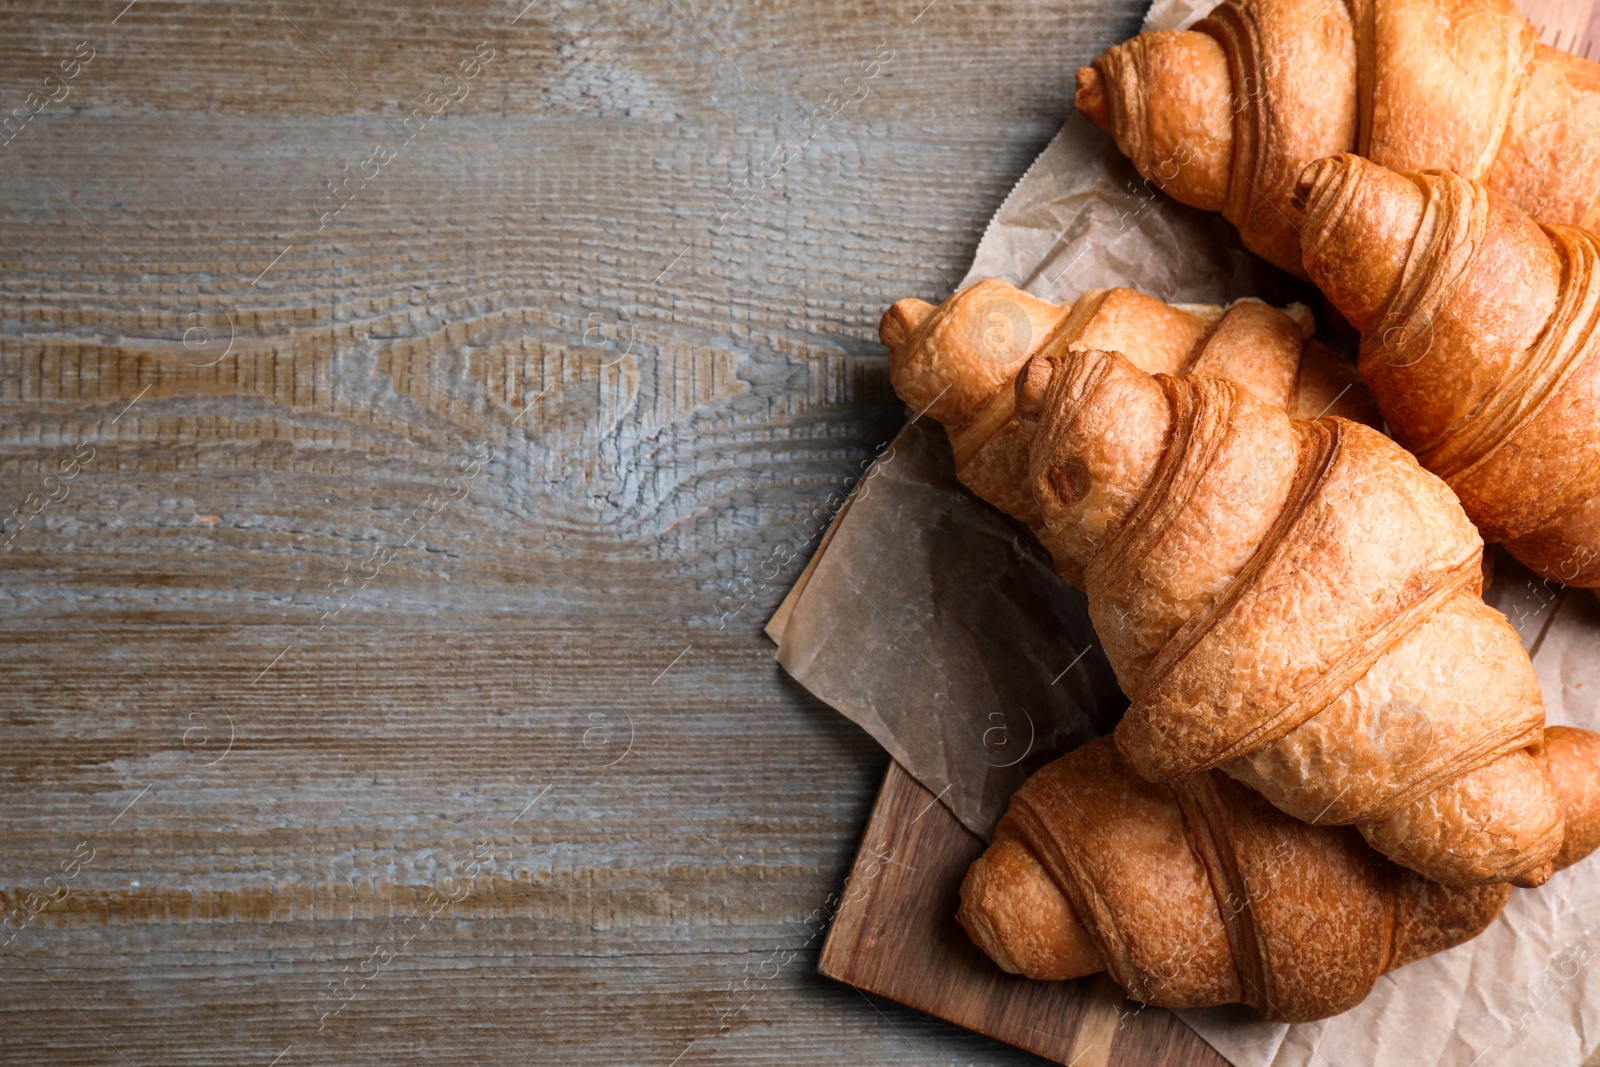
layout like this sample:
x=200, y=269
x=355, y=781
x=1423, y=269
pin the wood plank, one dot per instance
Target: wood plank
x=894, y=934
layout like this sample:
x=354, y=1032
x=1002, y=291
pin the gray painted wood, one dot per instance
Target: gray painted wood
x=563, y=666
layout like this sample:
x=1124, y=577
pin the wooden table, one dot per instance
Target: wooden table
x=404, y=434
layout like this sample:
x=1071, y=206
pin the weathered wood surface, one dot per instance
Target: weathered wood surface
x=256, y=406
x=894, y=932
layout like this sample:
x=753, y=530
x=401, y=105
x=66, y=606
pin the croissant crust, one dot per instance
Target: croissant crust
x=1481, y=342
x=1225, y=115
x=1297, y=604
x=1200, y=893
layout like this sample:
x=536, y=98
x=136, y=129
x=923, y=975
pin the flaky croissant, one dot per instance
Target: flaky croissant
x=1299, y=604
x=1481, y=342
x=957, y=362
x=1224, y=116
x=1200, y=893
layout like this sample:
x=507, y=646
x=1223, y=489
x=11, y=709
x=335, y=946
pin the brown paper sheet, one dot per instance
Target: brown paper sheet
x=937, y=624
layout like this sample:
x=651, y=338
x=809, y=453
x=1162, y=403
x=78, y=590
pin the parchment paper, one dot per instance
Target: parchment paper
x=926, y=620
x=937, y=624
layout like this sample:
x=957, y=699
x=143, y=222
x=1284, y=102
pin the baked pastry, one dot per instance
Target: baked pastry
x=957, y=361
x=1200, y=893
x=1298, y=603
x=1480, y=340
x=1225, y=115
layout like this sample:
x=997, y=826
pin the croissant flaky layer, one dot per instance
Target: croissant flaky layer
x=1224, y=116
x=1200, y=893
x=1480, y=340
x=956, y=362
x=1297, y=603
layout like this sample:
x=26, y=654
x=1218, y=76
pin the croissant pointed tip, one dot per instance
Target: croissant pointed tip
x=901, y=322
x=1574, y=761
x=1013, y=910
x=1536, y=877
x=975, y=920
x=1357, y=221
x=1304, y=184
x=1315, y=175
x=1032, y=385
x=1090, y=98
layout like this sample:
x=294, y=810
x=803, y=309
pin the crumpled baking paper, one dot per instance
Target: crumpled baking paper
x=937, y=624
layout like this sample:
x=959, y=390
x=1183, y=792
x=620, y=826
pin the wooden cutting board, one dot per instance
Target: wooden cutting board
x=894, y=934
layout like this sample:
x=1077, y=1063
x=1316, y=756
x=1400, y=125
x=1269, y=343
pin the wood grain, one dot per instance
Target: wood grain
x=701, y=389
x=894, y=933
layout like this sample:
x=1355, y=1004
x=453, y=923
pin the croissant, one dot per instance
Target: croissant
x=1224, y=116
x=1200, y=893
x=1298, y=603
x=957, y=361
x=1481, y=342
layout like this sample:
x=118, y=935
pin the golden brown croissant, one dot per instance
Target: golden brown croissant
x=957, y=363
x=1224, y=116
x=1481, y=342
x=1200, y=893
x=1299, y=604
